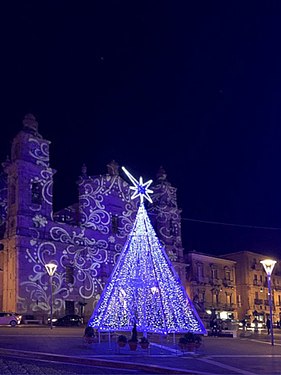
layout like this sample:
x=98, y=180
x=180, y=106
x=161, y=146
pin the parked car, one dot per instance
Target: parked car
x=67, y=320
x=9, y=318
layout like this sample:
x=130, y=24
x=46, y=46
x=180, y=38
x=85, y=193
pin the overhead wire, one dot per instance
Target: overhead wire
x=229, y=224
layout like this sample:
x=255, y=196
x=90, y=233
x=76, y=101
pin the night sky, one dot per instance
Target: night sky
x=194, y=86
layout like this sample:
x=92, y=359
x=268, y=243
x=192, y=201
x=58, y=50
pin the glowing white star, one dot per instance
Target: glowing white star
x=140, y=188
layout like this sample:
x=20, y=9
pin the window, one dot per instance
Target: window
x=173, y=228
x=16, y=152
x=36, y=193
x=69, y=307
x=214, y=273
x=239, y=303
x=199, y=270
x=216, y=297
x=69, y=275
x=227, y=274
x=255, y=281
x=115, y=223
x=13, y=194
x=201, y=296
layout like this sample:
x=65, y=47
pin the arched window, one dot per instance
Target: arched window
x=115, y=224
x=36, y=193
x=215, y=296
x=13, y=194
x=16, y=153
x=227, y=273
x=199, y=267
x=173, y=228
x=69, y=274
x=214, y=272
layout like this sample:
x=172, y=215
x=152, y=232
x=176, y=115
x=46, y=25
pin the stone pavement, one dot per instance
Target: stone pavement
x=249, y=356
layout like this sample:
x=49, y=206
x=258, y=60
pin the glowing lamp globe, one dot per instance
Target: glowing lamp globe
x=51, y=268
x=268, y=265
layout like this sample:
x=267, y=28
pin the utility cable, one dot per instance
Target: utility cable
x=229, y=224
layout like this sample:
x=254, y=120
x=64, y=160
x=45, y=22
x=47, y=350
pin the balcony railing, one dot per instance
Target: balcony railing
x=258, y=301
x=256, y=266
x=257, y=282
x=228, y=283
x=220, y=305
x=214, y=281
x=203, y=280
x=229, y=306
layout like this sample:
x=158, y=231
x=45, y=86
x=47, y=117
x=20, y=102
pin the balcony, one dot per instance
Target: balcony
x=202, y=280
x=257, y=282
x=258, y=301
x=220, y=306
x=209, y=305
x=195, y=280
x=228, y=283
x=256, y=267
x=266, y=303
x=229, y=306
x=216, y=282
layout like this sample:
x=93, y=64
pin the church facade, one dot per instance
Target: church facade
x=84, y=240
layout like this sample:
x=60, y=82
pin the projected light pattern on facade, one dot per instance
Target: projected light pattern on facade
x=84, y=239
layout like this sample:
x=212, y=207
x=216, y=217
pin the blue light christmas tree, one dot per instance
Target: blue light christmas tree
x=144, y=287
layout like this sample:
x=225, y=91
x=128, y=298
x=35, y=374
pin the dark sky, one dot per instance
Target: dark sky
x=194, y=86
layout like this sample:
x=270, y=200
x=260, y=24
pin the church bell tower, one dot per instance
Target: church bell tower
x=29, y=202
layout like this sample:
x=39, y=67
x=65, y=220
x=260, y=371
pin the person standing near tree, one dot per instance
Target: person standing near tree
x=214, y=326
x=134, y=332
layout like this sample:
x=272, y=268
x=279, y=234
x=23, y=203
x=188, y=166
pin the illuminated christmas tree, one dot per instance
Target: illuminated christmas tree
x=144, y=287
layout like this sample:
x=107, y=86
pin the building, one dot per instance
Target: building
x=84, y=239
x=252, y=287
x=212, y=285
x=233, y=286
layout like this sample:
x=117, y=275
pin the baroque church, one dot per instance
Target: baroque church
x=84, y=239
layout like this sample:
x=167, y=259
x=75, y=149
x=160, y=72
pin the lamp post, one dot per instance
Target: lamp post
x=51, y=269
x=268, y=265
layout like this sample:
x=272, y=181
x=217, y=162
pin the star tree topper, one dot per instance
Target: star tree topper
x=140, y=188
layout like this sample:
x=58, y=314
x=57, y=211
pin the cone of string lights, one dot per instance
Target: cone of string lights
x=144, y=288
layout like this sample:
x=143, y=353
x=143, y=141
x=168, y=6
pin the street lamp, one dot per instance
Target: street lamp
x=268, y=265
x=51, y=269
